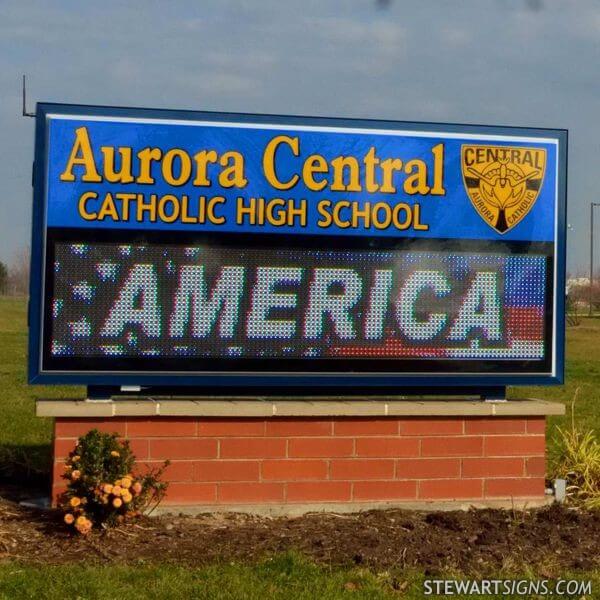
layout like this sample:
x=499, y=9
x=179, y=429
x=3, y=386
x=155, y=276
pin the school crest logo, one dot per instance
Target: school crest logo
x=503, y=182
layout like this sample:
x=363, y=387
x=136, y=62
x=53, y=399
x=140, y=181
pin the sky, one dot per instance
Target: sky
x=499, y=62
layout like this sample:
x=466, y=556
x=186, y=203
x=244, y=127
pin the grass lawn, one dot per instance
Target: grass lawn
x=582, y=376
x=285, y=576
x=26, y=438
x=25, y=447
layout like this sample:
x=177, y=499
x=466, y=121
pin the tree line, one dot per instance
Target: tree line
x=14, y=278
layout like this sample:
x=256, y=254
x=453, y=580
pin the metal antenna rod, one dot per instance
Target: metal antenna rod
x=25, y=113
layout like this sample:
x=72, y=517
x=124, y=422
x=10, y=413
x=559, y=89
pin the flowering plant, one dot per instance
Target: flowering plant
x=102, y=489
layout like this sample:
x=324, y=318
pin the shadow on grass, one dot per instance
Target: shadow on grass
x=26, y=466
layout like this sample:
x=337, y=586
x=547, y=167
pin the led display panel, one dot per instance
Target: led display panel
x=124, y=300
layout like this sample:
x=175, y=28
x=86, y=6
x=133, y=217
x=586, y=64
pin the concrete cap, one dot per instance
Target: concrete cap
x=308, y=406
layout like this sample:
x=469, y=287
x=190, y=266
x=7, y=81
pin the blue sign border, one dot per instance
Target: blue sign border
x=278, y=380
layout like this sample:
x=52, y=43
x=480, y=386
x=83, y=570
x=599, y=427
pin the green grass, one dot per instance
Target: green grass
x=582, y=374
x=25, y=445
x=284, y=576
x=24, y=439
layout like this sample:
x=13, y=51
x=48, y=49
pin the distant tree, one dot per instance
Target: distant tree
x=571, y=311
x=18, y=278
x=579, y=295
x=3, y=278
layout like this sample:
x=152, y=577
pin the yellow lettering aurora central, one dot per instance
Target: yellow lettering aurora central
x=283, y=164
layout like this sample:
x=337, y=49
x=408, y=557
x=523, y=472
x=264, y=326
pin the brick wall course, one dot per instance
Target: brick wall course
x=235, y=461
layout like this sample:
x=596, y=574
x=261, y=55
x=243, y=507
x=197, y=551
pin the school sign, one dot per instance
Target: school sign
x=193, y=249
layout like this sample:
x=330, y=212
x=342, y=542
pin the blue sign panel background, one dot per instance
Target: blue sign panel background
x=331, y=192
x=448, y=216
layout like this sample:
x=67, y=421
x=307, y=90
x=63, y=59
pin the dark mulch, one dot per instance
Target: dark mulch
x=547, y=541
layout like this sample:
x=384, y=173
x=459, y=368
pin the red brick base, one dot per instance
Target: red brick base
x=228, y=461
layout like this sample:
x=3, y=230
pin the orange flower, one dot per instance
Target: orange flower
x=75, y=501
x=76, y=458
x=137, y=487
x=117, y=502
x=124, y=491
x=127, y=498
x=107, y=488
x=114, y=453
x=69, y=518
x=83, y=525
x=126, y=482
x=75, y=475
x=68, y=467
x=116, y=490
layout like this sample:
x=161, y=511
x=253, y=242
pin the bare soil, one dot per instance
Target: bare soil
x=546, y=541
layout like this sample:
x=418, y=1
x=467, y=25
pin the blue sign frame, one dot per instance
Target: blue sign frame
x=535, y=228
